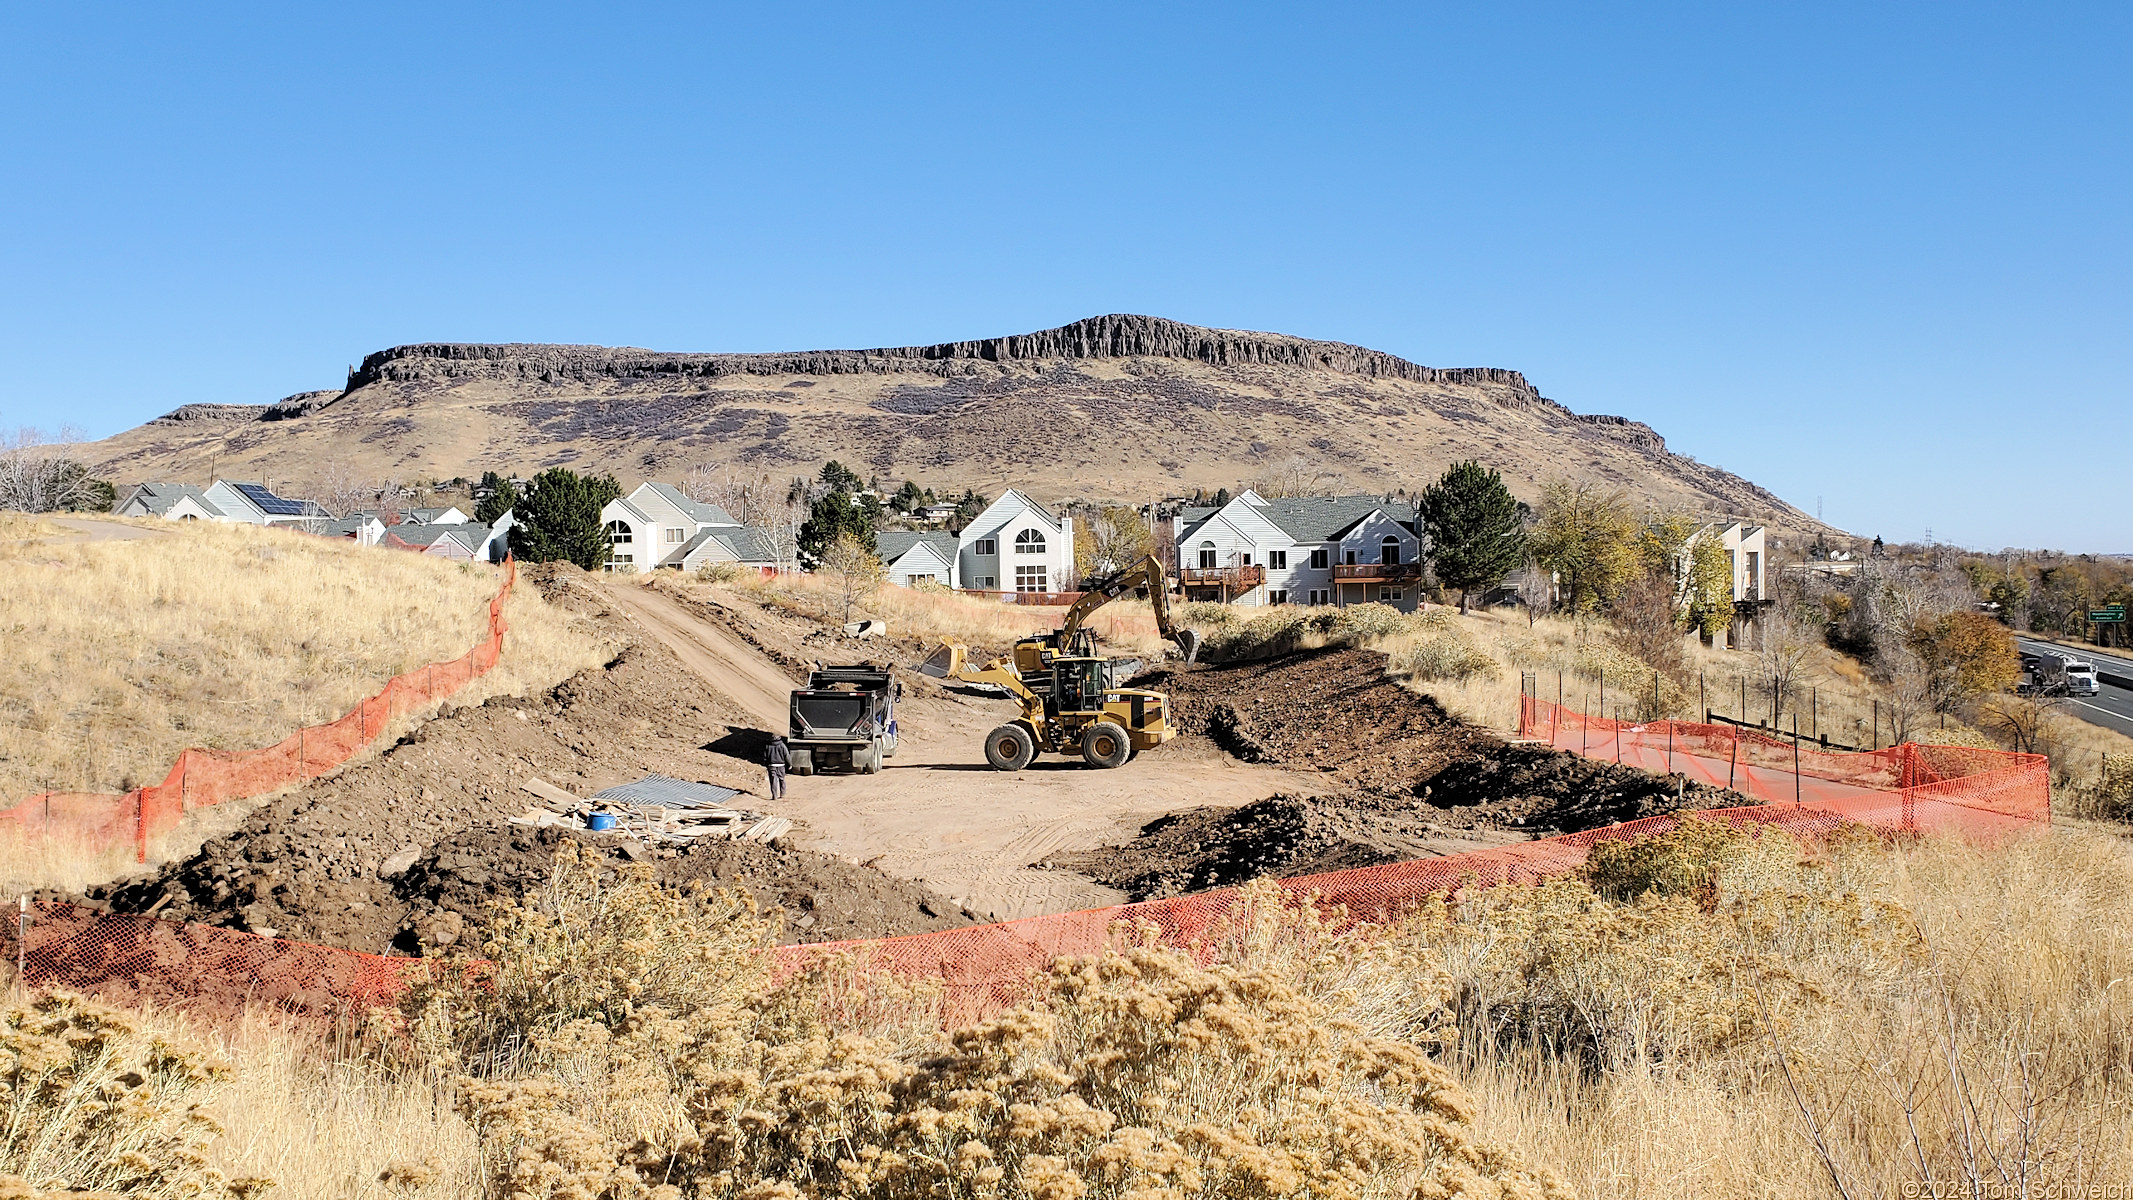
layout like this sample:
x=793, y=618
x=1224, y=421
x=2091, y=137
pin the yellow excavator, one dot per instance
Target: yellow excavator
x=1070, y=695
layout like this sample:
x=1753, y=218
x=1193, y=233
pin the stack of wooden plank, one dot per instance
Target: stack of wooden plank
x=688, y=812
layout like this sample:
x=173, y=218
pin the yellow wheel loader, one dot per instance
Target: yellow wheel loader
x=1070, y=695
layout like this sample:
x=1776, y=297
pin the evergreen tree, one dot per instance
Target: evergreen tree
x=908, y=497
x=559, y=518
x=1476, y=536
x=833, y=515
x=839, y=478
x=498, y=496
x=967, y=508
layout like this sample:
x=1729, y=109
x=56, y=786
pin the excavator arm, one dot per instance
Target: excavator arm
x=1147, y=573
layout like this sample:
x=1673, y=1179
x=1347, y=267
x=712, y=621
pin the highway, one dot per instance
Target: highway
x=2111, y=708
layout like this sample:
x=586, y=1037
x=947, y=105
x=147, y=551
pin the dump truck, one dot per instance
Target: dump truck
x=1073, y=699
x=844, y=720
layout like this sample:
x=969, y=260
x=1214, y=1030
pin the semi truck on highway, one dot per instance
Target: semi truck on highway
x=2064, y=675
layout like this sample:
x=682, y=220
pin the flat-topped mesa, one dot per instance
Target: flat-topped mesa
x=1115, y=336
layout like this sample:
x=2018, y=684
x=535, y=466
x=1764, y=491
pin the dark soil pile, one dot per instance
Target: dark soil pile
x=1409, y=780
x=344, y=860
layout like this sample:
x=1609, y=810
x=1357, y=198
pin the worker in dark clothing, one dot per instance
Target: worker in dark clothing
x=776, y=757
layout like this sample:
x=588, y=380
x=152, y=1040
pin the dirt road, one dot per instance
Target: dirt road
x=937, y=813
x=727, y=663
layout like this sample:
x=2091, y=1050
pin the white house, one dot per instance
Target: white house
x=1744, y=551
x=468, y=541
x=170, y=501
x=657, y=526
x=253, y=504
x=755, y=548
x=1337, y=550
x=912, y=556
x=1016, y=545
x=361, y=528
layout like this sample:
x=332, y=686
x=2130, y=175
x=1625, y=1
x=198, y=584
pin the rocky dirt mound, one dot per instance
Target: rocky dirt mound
x=1410, y=780
x=369, y=857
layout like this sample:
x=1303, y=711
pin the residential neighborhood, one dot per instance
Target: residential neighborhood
x=1246, y=550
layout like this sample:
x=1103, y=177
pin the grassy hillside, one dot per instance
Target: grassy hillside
x=122, y=653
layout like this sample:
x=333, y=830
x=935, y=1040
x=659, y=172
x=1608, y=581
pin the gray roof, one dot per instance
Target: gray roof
x=1309, y=518
x=698, y=511
x=895, y=543
x=159, y=498
x=755, y=544
x=346, y=526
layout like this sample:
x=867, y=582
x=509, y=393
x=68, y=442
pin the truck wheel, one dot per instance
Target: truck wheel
x=1010, y=747
x=803, y=763
x=1105, y=744
x=870, y=762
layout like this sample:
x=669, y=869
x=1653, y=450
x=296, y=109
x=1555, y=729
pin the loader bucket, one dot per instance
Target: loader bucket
x=945, y=662
x=1189, y=642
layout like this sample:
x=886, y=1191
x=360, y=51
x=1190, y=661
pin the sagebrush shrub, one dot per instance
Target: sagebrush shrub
x=89, y=1101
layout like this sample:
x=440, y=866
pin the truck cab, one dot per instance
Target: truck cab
x=843, y=720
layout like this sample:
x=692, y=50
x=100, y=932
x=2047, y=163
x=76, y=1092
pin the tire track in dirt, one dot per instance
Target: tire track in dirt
x=724, y=661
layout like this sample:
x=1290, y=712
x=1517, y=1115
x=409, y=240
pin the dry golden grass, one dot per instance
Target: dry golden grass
x=1937, y=1010
x=123, y=653
x=1123, y=626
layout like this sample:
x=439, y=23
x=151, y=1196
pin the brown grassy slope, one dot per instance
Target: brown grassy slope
x=123, y=653
x=1110, y=408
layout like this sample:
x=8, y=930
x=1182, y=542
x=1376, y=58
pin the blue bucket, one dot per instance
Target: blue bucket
x=600, y=821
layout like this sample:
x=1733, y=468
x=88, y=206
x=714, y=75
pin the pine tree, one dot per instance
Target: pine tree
x=498, y=496
x=1475, y=533
x=559, y=518
x=833, y=515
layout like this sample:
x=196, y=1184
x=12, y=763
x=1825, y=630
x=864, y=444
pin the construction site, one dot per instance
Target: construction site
x=1313, y=761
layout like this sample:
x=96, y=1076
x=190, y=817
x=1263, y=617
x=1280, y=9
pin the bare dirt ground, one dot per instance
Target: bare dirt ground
x=1312, y=762
x=937, y=813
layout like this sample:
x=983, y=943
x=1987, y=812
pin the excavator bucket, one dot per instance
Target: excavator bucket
x=945, y=662
x=1189, y=642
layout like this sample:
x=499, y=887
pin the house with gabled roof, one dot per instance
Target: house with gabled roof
x=361, y=528
x=756, y=548
x=470, y=541
x=657, y=526
x=256, y=504
x=170, y=501
x=1016, y=545
x=1336, y=550
x=914, y=555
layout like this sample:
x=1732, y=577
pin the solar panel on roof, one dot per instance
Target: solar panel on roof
x=270, y=503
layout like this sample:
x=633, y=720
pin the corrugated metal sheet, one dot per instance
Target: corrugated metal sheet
x=673, y=793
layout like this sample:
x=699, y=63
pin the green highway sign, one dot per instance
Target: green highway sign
x=2104, y=616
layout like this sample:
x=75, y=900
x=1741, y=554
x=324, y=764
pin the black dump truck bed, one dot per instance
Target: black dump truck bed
x=845, y=718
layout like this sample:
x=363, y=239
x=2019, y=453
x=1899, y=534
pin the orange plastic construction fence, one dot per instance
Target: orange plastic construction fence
x=985, y=968
x=204, y=777
x=1794, y=770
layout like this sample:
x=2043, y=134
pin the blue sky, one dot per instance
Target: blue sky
x=1872, y=254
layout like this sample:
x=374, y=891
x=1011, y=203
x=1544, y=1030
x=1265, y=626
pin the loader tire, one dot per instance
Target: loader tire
x=1106, y=745
x=1010, y=747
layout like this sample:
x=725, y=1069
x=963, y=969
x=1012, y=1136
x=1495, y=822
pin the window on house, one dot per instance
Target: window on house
x=1318, y=558
x=1389, y=550
x=1277, y=560
x=1247, y=560
x=1349, y=558
x=674, y=533
x=987, y=583
x=1032, y=579
x=1388, y=595
x=618, y=534
x=1029, y=541
x=1277, y=596
x=1207, y=556
x=1320, y=595
x=985, y=546
x=620, y=560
